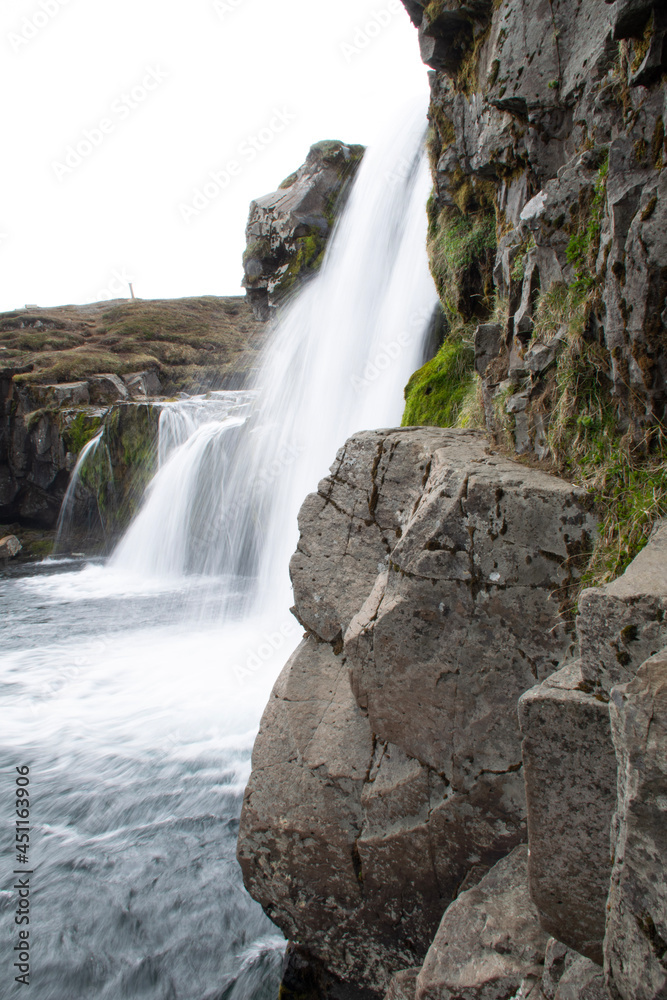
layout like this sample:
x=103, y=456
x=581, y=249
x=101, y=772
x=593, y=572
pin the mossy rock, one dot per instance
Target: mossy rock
x=77, y=431
x=437, y=392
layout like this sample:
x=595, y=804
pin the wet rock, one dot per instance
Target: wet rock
x=287, y=230
x=9, y=547
x=636, y=941
x=570, y=775
x=305, y=978
x=490, y=943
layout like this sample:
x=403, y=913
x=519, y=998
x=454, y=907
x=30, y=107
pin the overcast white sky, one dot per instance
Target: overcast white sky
x=156, y=94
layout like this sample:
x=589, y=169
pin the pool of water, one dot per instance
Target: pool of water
x=135, y=710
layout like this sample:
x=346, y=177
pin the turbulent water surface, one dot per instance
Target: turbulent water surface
x=133, y=688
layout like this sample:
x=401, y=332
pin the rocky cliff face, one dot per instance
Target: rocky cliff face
x=546, y=237
x=43, y=430
x=460, y=692
x=444, y=709
x=430, y=576
x=288, y=230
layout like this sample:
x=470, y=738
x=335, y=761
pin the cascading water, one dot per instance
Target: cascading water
x=337, y=364
x=133, y=690
x=67, y=507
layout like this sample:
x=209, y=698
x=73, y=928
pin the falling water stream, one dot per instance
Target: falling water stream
x=132, y=688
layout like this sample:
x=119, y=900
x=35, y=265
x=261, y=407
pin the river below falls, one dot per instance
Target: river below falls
x=136, y=711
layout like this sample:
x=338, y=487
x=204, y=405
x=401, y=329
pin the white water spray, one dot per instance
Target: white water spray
x=225, y=501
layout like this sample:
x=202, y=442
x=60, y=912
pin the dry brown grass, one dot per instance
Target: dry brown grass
x=192, y=342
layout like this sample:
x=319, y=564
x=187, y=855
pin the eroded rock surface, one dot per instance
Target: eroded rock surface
x=288, y=230
x=549, y=115
x=429, y=571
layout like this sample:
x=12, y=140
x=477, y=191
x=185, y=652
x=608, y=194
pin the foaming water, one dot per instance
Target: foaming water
x=133, y=689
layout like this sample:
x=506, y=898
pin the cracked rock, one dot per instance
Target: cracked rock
x=387, y=774
x=570, y=775
x=490, y=943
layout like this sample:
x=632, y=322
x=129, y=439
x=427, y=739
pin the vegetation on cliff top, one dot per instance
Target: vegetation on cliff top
x=190, y=341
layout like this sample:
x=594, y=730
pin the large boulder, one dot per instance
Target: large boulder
x=570, y=775
x=430, y=572
x=636, y=941
x=288, y=230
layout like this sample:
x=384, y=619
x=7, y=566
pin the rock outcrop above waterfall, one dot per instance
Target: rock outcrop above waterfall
x=66, y=371
x=430, y=576
x=288, y=230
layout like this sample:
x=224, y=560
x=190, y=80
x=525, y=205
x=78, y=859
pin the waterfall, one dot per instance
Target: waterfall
x=135, y=689
x=235, y=466
x=66, y=514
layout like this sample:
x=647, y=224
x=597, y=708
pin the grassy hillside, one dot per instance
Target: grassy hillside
x=193, y=342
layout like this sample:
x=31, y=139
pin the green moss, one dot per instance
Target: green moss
x=306, y=260
x=658, y=143
x=461, y=253
x=35, y=416
x=584, y=243
x=287, y=183
x=79, y=431
x=628, y=484
x=437, y=394
x=257, y=250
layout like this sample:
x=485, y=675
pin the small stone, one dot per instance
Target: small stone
x=9, y=547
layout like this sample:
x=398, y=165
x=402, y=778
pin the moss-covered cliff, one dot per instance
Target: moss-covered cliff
x=547, y=243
